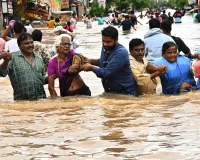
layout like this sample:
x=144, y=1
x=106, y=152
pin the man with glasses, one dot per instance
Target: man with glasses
x=144, y=72
x=113, y=66
x=25, y=70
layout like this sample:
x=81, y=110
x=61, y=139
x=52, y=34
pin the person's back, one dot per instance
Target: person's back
x=198, y=17
x=100, y=20
x=133, y=18
x=29, y=28
x=39, y=48
x=194, y=16
x=50, y=24
x=164, y=16
x=154, y=39
x=166, y=27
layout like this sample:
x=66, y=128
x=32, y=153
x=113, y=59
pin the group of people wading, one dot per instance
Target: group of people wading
x=155, y=59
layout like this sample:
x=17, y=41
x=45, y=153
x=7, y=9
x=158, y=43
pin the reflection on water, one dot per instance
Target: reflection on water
x=104, y=126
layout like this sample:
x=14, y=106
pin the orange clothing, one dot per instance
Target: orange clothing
x=51, y=24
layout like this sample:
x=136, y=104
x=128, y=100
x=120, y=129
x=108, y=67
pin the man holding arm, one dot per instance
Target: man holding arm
x=113, y=66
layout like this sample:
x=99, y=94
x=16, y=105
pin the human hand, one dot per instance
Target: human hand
x=86, y=67
x=162, y=69
x=11, y=23
x=85, y=59
x=74, y=68
x=6, y=56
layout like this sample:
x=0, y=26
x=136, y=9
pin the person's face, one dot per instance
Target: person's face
x=171, y=54
x=109, y=43
x=27, y=46
x=138, y=52
x=64, y=46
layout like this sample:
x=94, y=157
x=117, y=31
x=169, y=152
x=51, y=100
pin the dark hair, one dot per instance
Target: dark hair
x=22, y=37
x=154, y=23
x=110, y=32
x=135, y=42
x=127, y=16
x=37, y=35
x=18, y=27
x=167, y=45
x=166, y=25
x=164, y=12
x=51, y=18
x=57, y=20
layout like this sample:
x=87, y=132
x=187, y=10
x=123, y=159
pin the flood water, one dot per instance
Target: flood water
x=104, y=127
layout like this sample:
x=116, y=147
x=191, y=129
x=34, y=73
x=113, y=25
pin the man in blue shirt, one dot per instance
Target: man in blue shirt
x=113, y=65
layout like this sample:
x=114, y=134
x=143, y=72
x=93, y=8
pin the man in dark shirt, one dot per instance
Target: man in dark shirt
x=127, y=24
x=164, y=16
x=166, y=27
x=113, y=66
x=198, y=17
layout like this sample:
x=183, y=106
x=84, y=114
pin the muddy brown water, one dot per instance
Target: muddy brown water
x=103, y=126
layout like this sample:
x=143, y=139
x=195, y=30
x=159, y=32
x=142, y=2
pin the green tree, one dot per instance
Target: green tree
x=97, y=9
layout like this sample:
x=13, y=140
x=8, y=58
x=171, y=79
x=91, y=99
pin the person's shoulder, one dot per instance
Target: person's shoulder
x=159, y=62
x=182, y=57
x=121, y=49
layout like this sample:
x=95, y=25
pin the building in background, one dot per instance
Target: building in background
x=6, y=12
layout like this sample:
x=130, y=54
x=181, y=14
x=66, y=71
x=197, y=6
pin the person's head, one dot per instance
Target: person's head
x=18, y=27
x=37, y=35
x=126, y=17
x=169, y=51
x=2, y=44
x=63, y=44
x=164, y=12
x=154, y=23
x=27, y=22
x=74, y=15
x=57, y=20
x=136, y=48
x=25, y=43
x=109, y=37
x=51, y=18
x=166, y=26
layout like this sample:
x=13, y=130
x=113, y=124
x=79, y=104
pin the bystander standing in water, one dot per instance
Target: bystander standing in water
x=166, y=27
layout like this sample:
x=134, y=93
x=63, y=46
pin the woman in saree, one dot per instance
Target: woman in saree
x=178, y=77
x=66, y=67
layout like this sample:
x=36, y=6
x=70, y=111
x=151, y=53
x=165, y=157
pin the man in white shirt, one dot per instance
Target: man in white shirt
x=11, y=44
x=29, y=28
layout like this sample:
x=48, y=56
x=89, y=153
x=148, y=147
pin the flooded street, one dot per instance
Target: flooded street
x=104, y=127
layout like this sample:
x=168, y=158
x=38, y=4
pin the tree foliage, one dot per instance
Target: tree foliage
x=140, y=4
x=97, y=9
